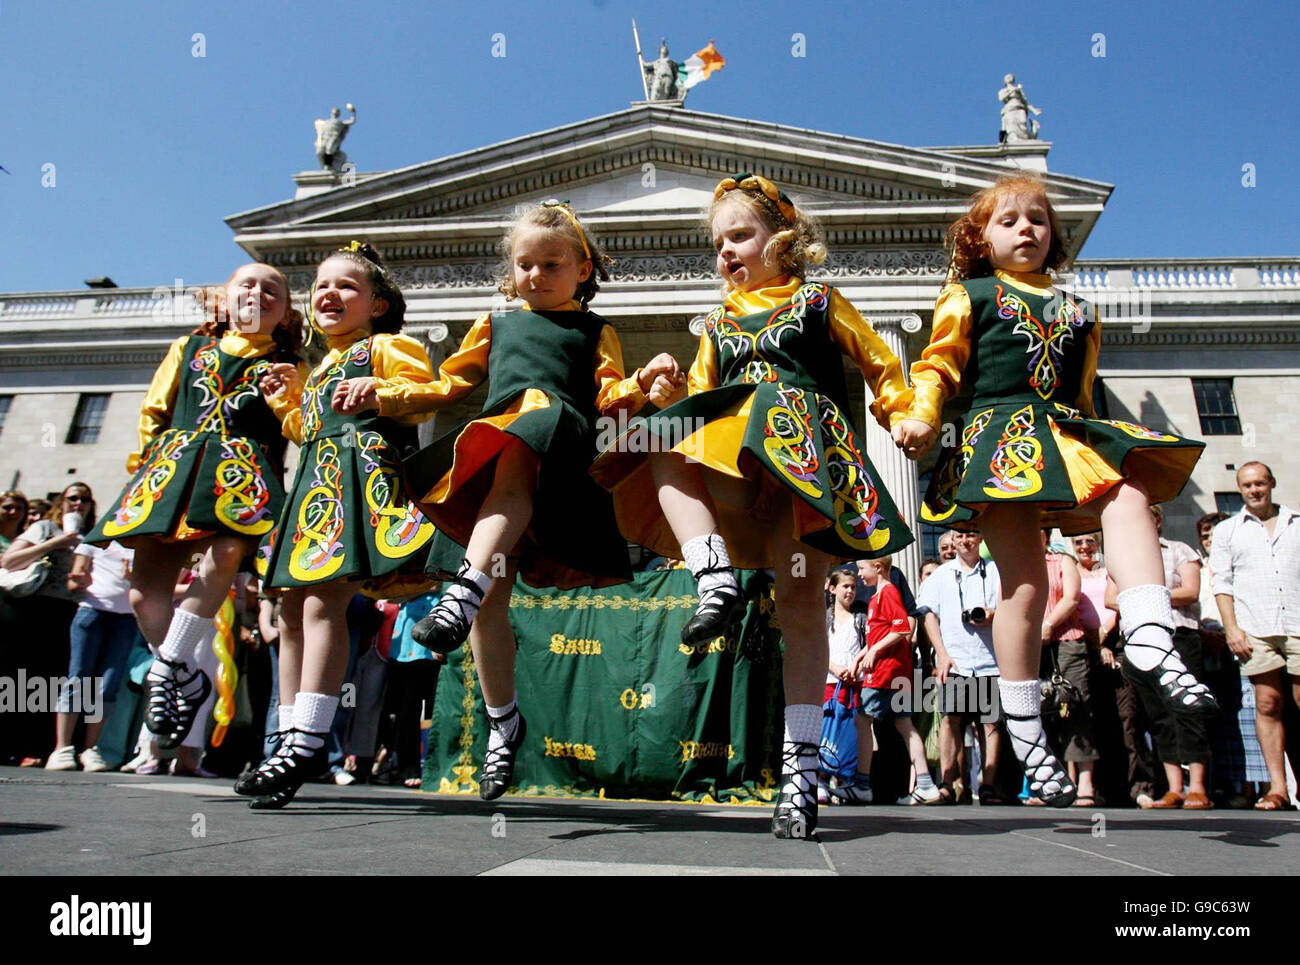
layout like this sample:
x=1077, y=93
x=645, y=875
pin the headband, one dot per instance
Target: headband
x=563, y=206
x=745, y=181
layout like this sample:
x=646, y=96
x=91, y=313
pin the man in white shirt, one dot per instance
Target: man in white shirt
x=957, y=602
x=1255, y=558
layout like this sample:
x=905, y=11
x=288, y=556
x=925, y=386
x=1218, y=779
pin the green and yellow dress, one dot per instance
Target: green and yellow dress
x=1026, y=354
x=211, y=454
x=768, y=395
x=347, y=515
x=551, y=375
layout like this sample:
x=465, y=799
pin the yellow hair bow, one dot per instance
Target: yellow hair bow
x=746, y=181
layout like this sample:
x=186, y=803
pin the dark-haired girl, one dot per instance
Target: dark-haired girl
x=347, y=518
x=206, y=481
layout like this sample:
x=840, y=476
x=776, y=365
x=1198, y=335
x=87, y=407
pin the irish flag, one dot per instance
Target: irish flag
x=699, y=66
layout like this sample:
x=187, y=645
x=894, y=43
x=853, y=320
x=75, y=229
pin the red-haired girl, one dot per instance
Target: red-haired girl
x=206, y=481
x=1029, y=454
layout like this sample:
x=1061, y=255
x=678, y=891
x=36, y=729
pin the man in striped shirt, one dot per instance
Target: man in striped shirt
x=1255, y=558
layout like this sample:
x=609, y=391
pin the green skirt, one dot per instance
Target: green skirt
x=1049, y=454
x=193, y=484
x=797, y=437
x=572, y=539
x=347, y=517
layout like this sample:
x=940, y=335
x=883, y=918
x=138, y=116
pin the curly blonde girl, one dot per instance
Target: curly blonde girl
x=796, y=240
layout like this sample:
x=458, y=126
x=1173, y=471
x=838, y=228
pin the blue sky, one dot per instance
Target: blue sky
x=152, y=146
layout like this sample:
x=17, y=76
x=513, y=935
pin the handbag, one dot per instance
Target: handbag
x=1060, y=696
x=839, y=740
x=24, y=582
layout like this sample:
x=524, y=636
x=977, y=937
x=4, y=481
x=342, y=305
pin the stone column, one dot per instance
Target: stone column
x=897, y=473
x=438, y=348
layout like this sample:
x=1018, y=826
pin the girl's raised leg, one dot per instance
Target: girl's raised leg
x=175, y=685
x=1146, y=616
x=684, y=497
x=501, y=521
x=1012, y=534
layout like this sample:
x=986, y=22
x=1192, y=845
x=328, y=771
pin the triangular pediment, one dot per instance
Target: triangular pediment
x=652, y=159
x=646, y=173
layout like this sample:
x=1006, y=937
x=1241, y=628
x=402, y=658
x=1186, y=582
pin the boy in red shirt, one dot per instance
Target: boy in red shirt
x=887, y=689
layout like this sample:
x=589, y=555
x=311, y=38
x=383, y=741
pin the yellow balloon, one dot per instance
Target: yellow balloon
x=223, y=645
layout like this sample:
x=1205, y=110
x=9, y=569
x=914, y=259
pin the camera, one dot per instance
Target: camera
x=976, y=614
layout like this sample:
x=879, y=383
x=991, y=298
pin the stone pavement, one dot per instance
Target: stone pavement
x=122, y=825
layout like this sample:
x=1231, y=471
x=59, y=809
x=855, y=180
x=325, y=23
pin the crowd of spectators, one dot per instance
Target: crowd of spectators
x=1237, y=614
x=73, y=659
x=65, y=616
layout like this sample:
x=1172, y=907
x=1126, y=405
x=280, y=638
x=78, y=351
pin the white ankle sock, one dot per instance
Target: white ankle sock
x=462, y=596
x=1146, y=645
x=312, y=716
x=183, y=633
x=505, y=729
x=803, y=723
x=707, y=553
x=285, y=712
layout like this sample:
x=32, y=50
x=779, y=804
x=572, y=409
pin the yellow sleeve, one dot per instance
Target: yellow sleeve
x=159, y=401
x=936, y=375
x=616, y=392
x=404, y=374
x=288, y=408
x=703, y=375
x=1084, y=404
x=879, y=365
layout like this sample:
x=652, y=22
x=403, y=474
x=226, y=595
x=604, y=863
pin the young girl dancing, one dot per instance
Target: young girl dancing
x=347, y=518
x=775, y=476
x=205, y=481
x=509, y=491
x=1030, y=454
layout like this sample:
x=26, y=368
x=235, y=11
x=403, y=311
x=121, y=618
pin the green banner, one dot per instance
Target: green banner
x=617, y=706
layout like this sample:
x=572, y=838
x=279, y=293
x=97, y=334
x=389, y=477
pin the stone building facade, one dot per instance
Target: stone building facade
x=1188, y=343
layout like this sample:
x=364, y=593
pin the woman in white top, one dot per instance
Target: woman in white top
x=102, y=633
x=846, y=633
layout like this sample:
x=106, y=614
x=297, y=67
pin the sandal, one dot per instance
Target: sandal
x=947, y=794
x=499, y=761
x=1273, y=801
x=1084, y=801
x=990, y=796
x=173, y=702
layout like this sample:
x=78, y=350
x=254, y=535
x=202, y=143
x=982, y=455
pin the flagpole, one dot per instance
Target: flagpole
x=640, y=60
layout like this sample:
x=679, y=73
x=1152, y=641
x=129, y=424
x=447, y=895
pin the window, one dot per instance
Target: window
x=88, y=419
x=1228, y=502
x=1216, y=407
x=5, y=402
x=1100, y=404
